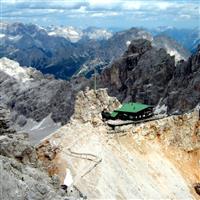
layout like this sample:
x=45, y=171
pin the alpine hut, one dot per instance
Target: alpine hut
x=132, y=111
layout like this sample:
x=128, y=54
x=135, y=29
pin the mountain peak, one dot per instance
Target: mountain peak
x=139, y=46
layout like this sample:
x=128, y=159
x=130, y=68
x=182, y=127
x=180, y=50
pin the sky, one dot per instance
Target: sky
x=103, y=13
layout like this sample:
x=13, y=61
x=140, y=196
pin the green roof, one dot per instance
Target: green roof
x=114, y=114
x=132, y=107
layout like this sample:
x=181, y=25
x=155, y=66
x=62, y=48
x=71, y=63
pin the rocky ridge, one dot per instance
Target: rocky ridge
x=148, y=75
x=94, y=102
x=134, y=161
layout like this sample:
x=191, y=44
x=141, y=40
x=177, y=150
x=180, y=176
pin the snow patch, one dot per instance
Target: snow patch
x=15, y=38
x=197, y=107
x=173, y=52
x=128, y=43
x=99, y=34
x=13, y=69
x=70, y=33
x=68, y=178
x=160, y=109
x=74, y=34
x=41, y=125
x=2, y=35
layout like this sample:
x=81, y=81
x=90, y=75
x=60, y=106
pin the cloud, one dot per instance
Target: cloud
x=140, y=10
x=105, y=14
x=103, y=3
x=128, y=5
x=164, y=5
x=39, y=4
x=147, y=5
x=185, y=16
x=117, y=5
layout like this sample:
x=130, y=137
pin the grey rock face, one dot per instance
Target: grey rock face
x=16, y=146
x=36, y=96
x=21, y=175
x=141, y=74
x=148, y=75
x=138, y=47
x=4, y=122
x=24, y=182
x=183, y=91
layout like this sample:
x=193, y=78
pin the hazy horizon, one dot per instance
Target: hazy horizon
x=112, y=29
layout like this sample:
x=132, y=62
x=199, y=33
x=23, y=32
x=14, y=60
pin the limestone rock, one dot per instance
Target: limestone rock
x=180, y=131
x=24, y=182
x=16, y=146
x=89, y=104
x=30, y=94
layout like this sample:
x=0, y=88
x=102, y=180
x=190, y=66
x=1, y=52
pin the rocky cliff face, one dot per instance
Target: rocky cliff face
x=141, y=74
x=157, y=159
x=183, y=92
x=30, y=94
x=146, y=74
x=22, y=176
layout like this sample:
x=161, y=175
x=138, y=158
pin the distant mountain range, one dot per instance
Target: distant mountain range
x=75, y=34
x=188, y=38
x=66, y=51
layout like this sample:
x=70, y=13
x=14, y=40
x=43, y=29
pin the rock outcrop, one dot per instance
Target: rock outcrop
x=90, y=103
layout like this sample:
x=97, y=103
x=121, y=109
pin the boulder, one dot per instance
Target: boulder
x=197, y=188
